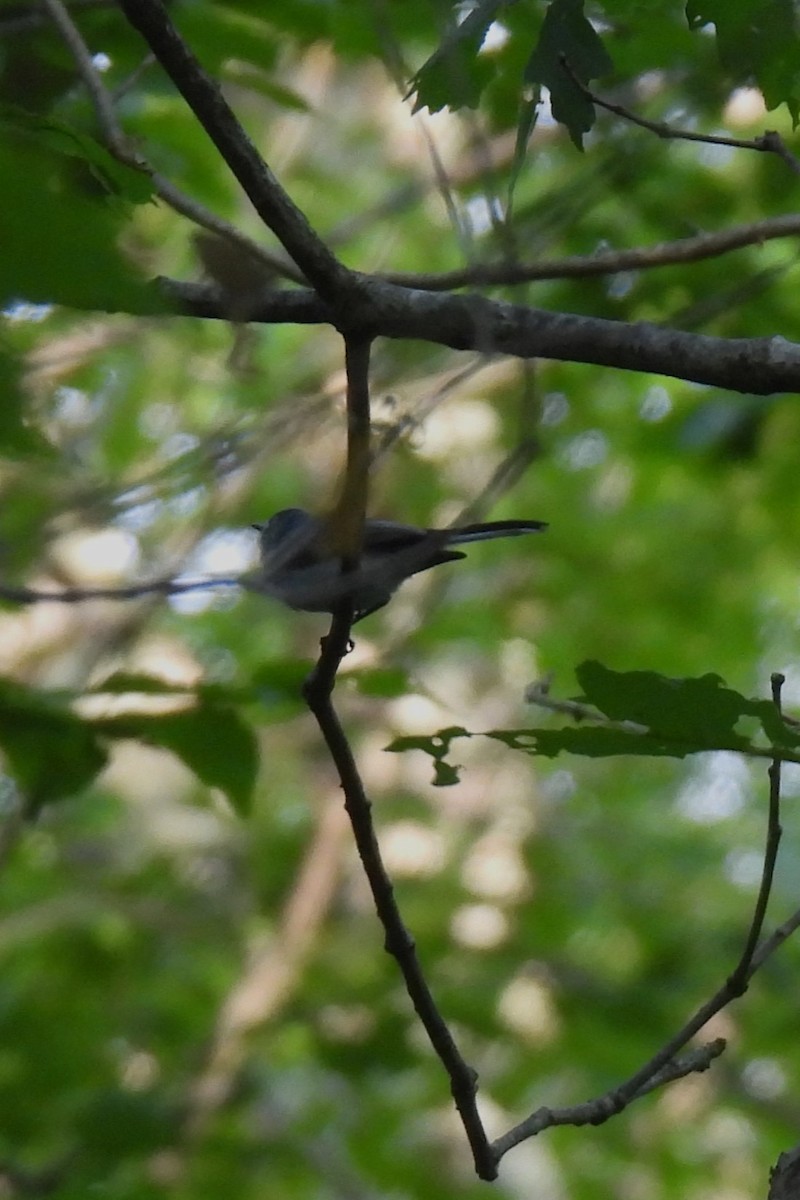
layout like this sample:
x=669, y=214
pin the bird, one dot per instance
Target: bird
x=299, y=567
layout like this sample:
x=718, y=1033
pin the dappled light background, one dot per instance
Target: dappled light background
x=196, y=1001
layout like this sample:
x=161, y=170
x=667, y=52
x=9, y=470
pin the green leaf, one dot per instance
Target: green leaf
x=18, y=439
x=567, y=37
x=756, y=39
x=245, y=75
x=701, y=711
x=50, y=751
x=455, y=74
x=438, y=746
x=386, y=682
x=59, y=228
x=601, y=741
x=666, y=718
x=219, y=33
x=113, y=177
x=525, y=125
x=116, y=1124
x=213, y=741
x=148, y=685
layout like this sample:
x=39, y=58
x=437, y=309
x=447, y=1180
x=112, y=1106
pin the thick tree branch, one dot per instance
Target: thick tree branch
x=203, y=95
x=758, y=366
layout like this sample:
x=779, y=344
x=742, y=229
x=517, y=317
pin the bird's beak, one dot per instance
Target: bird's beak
x=258, y=527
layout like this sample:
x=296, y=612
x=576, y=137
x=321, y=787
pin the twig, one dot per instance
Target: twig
x=398, y=940
x=606, y=262
x=289, y=224
x=76, y=595
x=770, y=142
x=118, y=144
x=538, y=693
x=347, y=519
x=318, y=693
x=665, y=1065
x=740, y=976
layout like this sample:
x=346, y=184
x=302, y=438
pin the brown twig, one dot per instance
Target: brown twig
x=770, y=142
x=740, y=975
x=665, y=1065
x=607, y=262
x=318, y=692
x=398, y=941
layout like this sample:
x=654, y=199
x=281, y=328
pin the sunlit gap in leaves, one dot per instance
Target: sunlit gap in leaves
x=227, y=552
x=716, y=790
x=482, y=214
x=21, y=312
x=98, y=556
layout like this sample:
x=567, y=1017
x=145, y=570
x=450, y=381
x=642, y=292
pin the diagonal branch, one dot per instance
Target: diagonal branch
x=740, y=976
x=203, y=95
x=398, y=940
x=347, y=529
x=118, y=144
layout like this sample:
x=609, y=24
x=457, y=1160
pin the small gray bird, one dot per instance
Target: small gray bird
x=299, y=568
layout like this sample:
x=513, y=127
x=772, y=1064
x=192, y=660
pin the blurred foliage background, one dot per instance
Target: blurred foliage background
x=194, y=997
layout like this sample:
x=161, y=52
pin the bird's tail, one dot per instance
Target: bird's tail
x=484, y=530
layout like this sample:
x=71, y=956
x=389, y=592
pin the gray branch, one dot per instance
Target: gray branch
x=758, y=366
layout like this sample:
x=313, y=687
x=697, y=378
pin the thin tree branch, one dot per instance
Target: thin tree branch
x=203, y=95
x=607, y=262
x=769, y=142
x=348, y=527
x=398, y=940
x=596, y=1112
x=347, y=519
x=741, y=975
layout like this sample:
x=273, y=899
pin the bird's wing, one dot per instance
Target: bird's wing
x=381, y=535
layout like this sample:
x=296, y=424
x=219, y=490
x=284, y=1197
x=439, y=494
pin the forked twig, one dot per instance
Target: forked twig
x=665, y=1065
